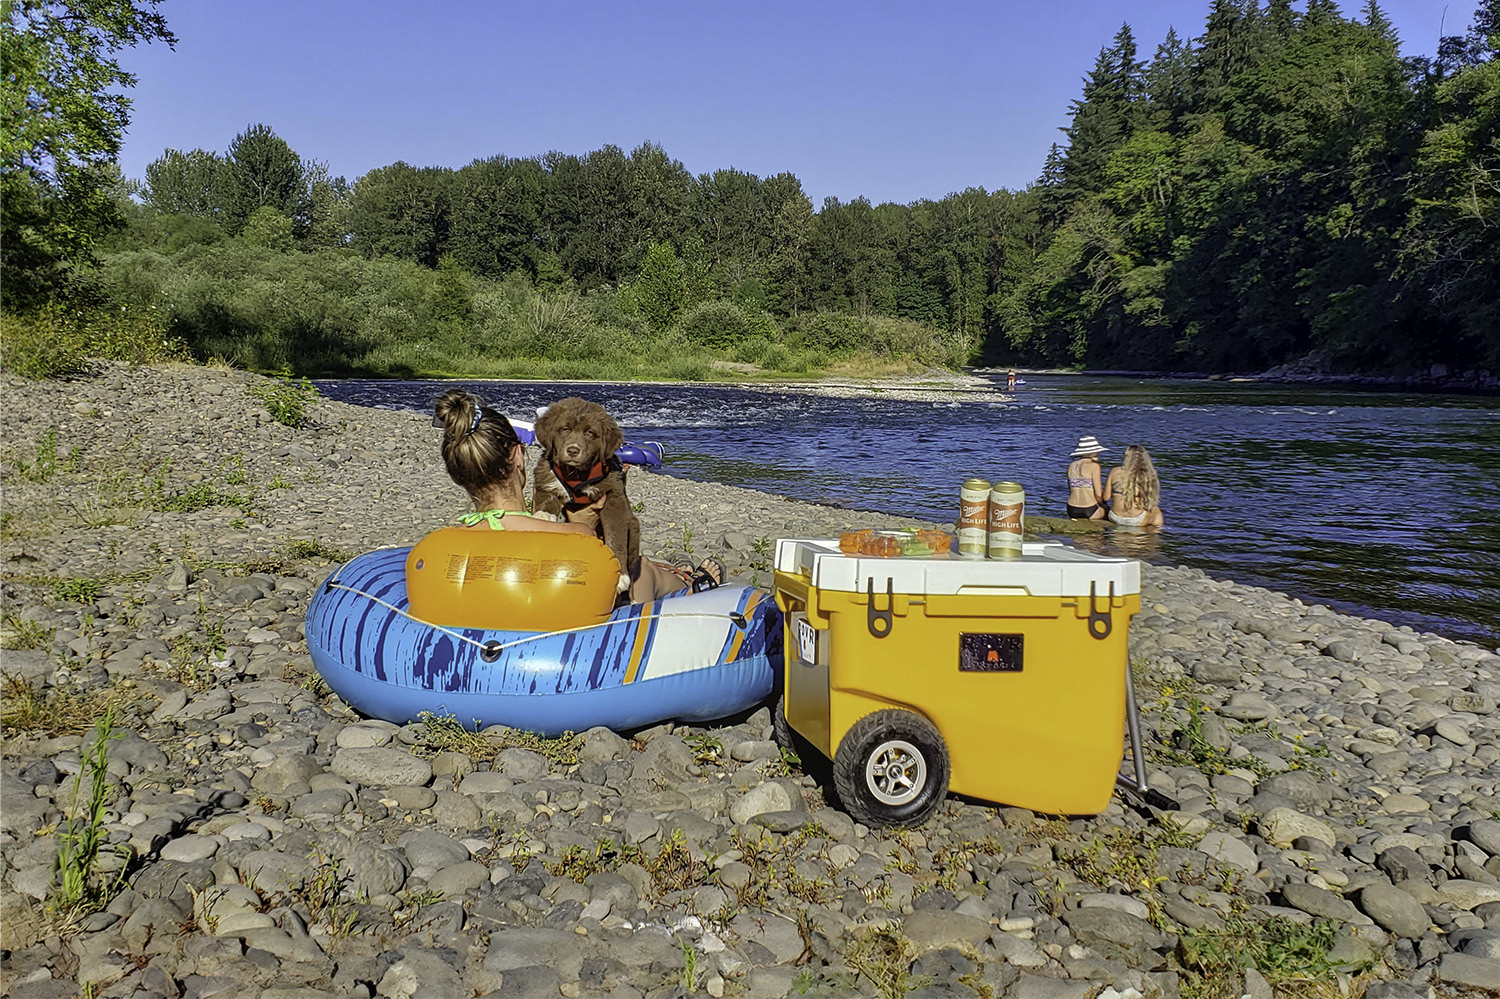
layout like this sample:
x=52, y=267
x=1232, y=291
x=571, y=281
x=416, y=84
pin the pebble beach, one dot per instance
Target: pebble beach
x=1336, y=779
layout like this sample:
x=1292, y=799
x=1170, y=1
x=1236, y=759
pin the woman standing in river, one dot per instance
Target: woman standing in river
x=1133, y=491
x=1085, y=492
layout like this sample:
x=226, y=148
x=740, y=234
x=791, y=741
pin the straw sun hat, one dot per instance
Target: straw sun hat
x=1087, y=446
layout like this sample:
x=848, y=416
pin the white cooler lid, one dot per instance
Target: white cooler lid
x=1045, y=569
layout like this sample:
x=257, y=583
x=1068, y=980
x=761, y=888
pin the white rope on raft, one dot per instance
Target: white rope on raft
x=493, y=648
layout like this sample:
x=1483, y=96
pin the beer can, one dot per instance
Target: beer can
x=973, y=517
x=1007, y=520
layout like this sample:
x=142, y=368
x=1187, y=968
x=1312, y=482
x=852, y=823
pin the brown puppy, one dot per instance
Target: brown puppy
x=579, y=440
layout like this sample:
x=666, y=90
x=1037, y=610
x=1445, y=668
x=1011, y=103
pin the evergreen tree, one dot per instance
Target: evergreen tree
x=1377, y=23
x=1105, y=116
x=260, y=170
x=1167, y=81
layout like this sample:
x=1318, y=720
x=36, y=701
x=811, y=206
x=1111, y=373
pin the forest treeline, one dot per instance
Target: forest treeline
x=1283, y=188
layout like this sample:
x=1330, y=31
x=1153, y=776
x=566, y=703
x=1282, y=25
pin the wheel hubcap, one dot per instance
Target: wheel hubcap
x=896, y=772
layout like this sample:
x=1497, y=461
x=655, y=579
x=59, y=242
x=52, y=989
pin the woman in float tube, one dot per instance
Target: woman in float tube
x=1134, y=490
x=485, y=457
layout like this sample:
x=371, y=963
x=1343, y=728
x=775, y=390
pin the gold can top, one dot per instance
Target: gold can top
x=1008, y=487
x=976, y=483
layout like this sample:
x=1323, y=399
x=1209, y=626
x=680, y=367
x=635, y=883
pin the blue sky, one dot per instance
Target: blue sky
x=893, y=101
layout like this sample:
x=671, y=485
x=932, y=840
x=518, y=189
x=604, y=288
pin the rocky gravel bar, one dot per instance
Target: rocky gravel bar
x=242, y=833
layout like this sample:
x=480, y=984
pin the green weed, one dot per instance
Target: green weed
x=672, y=868
x=884, y=956
x=1210, y=759
x=287, y=399
x=45, y=463
x=1282, y=949
x=191, y=658
x=440, y=733
x=762, y=551
x=706, y=749
x=198, y=496
x=234, y=471
x=320, y=895
x=19, y=633
x=79, y=890
x=689, y=976
x=309, y=548
x=80, y=590
x=57, y=711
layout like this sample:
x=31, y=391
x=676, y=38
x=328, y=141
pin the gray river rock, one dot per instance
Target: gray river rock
x=162, y=535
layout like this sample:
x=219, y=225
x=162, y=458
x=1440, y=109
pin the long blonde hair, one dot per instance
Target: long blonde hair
x=1140, y=489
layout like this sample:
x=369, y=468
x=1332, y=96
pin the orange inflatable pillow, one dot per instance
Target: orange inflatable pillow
x=511, y=580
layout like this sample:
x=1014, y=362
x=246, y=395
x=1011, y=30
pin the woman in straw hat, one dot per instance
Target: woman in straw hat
x=1085, y=490
x=1133, y=491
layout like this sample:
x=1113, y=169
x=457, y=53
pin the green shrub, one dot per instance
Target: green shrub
x=287, y=399
x=58, y=340
x=752, y=351
x=777, y=357
x=834, y=332
x=688, y=369
x=716, y=325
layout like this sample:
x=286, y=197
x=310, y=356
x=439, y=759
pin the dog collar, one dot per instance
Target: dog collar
x=576, y=484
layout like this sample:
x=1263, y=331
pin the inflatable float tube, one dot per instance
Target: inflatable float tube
x=519, y=629
x=646, y=453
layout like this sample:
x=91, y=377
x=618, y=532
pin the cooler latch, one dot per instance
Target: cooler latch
x=1101, y=624
x=880, y=621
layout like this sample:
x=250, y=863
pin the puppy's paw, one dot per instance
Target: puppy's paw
x=624, y=585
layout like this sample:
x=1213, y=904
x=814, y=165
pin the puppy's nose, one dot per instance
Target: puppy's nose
x=572, y=450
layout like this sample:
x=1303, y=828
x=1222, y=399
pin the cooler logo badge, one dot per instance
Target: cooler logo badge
x=988, y=653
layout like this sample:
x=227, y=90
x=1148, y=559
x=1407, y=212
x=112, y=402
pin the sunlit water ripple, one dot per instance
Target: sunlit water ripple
x=1378, y=503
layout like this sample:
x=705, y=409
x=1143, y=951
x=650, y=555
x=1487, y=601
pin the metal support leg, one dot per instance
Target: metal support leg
x=1137, y=784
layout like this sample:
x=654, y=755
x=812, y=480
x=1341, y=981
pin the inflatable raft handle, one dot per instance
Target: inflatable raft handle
x=648, y=453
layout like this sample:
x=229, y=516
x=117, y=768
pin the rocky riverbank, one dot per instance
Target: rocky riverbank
x=1337, y=829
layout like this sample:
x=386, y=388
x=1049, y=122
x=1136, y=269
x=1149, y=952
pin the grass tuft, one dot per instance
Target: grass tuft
x=54, y=711
x=884, y=956
x=1282, y=949
x=19, y=633
x=310, y=548
x=80, y=889
x=445, y=733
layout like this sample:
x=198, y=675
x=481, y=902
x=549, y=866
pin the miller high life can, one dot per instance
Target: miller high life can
x=973, y=517
x=1007, y=520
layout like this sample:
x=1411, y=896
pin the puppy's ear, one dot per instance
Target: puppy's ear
x=545, y=426
x=614, y=438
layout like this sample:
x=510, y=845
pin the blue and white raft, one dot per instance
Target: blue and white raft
x=693, y=656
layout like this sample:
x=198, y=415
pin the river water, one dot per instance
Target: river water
x=1376, y=503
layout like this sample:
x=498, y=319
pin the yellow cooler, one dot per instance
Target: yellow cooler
x=999, y=679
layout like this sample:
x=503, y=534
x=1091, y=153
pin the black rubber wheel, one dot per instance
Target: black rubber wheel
x=785, y=737
x=891, y=769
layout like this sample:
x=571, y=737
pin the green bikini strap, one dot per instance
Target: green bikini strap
x=490, y=517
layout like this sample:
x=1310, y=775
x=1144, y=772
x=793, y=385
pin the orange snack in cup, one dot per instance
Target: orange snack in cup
x=852, y=542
